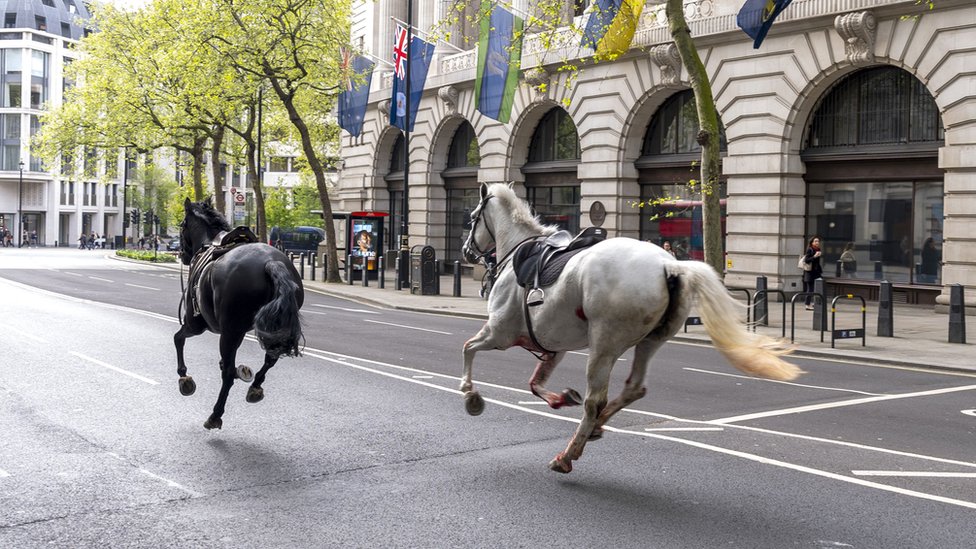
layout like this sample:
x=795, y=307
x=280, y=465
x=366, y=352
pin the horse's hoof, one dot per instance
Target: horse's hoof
x=473, y=403
x=187, y=386
x=571, y=398
x=254, y=394
x=212, y=423
x=597, y=434
x=560, y=466
x=244, y=374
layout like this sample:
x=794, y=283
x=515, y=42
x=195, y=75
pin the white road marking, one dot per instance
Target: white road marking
x=72, y=274
x=709, y=447
x=423, y=377
x=969, y=412
x=839, y=404
x=407, y=327
x=933, y=474
x=315, y=313
x=4, y=473
x=170, y=483
x=100, y=279
x=143, y=287
x=533, y=403
x=347, y=309
x=660, y=429
x=22, y=333
x=115, y=368
x=753, y=378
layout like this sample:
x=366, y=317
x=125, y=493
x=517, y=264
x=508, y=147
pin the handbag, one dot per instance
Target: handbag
x=803, y=264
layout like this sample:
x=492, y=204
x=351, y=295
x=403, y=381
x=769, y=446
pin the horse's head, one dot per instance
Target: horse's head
x=481, y=238
x=201, y=223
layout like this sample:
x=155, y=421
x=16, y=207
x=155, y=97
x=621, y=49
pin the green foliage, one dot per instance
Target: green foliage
x=147, y=255
x=292, y=207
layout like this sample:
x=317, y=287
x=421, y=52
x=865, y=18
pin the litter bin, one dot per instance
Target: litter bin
x=423, y=270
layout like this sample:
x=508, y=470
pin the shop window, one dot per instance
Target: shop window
x=673, y=214
x=557, y=205
x=555, y=138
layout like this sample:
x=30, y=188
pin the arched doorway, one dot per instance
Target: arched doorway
x=394, y=184
x=461, y=183
x=551, y=181
x=670, y=159
x=874, y=185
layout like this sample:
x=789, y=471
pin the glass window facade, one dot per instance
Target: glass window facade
x=11, y=72
x=671, y=213
x=10, y=141
x=674, y=128
x=40, y=77
x=559, y=205
x=461, y=181
x=555, y=138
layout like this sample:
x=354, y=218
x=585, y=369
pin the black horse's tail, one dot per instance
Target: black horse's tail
x=277, y=324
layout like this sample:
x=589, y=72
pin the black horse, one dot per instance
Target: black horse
x=235, y=284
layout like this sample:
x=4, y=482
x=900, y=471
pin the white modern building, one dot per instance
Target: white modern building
x=854, y=121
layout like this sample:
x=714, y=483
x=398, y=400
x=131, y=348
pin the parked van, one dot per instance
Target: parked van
x=298, y=239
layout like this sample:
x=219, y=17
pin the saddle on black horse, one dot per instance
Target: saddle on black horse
x=224, y=242
x=539, y=263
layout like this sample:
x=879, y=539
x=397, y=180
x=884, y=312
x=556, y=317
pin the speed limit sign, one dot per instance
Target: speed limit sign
x=239, y=198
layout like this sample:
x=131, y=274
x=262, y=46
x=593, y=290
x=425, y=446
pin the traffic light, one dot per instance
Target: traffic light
x=147, y=217
x=134, y=216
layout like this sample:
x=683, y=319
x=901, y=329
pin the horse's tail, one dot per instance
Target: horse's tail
x=277, y=324
x=752, y=353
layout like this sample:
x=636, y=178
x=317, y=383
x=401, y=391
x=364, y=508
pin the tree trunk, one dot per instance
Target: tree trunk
x=332, y=255
x=218, y=139
x=197, y=153
x=708, y=135
x=260, y=221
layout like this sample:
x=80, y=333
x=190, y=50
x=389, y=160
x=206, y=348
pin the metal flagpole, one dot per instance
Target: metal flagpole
x=403, y=276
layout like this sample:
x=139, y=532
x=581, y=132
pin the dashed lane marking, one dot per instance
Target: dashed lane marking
x=115, y=368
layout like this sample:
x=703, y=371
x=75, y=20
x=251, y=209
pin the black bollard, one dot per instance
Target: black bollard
x=819, y=315
x=380, y=273
x=349, y=269
x=437, y=276
x=886, y=311
x=301, y=264
x=838, y=271
x=403, y=269
x=878, y=270
x=762, y=301
x=396, y=273
x=365, y=272
x=312, y=259
x=457, y=279
x=957, y=314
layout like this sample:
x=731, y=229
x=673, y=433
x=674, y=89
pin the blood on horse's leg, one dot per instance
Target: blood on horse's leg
x=540, y=376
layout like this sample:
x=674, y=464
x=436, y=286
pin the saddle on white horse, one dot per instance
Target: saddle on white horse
x=539, y=263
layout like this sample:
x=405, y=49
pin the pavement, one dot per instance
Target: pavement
x=921, y=335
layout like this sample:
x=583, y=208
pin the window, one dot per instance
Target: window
x=40, y=23
x=394, y=182
x=879, y=106
x=463, y=191
x=555, y=138
x=40, y=73
x=674, y=128
x=10, y=73
x=558, y=206
x=464, y=150
x=49, y=3
x=67, y=193
x=65, y=30
x=10, y=141
x=36, y=164
x=279, y=164
x=67, y=163
x=671, y=213
x=91, y=162
x=10, y=20
x=112, y=164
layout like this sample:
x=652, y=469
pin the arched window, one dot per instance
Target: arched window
x=675, y=127
x=551, y=181
x=878, y=106
x=394, y=183
x=461, y=183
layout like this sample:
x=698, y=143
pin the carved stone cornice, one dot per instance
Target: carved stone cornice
x=538, y=78
x=449, y=95
x=858, y=31
x=384, y=107
x=666, y=57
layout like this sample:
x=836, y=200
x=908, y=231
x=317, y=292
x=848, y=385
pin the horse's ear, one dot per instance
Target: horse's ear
x=186, y=204
x=208, y=201
x=484, y=190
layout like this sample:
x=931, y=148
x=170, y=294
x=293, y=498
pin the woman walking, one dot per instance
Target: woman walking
x=812, y=259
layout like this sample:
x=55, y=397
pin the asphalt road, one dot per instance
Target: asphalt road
x=363, y=441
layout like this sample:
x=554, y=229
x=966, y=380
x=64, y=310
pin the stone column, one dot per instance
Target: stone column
x=959, y=238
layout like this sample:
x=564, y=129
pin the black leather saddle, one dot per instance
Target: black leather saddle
x=539, y=263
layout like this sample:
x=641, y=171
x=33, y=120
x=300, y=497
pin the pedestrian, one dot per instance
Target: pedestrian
x=667, y=248
x=848, y=262
x=81, y=242
x=931, y=258
x=812, y=260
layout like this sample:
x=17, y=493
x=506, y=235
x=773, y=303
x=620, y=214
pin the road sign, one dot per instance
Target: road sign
x=239, y=198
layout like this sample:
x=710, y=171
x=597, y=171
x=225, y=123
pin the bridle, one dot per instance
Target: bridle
x=474, y=227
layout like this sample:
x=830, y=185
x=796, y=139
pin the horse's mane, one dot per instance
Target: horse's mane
x=518, y=208
x=210, y=215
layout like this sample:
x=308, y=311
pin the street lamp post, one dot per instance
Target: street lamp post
x=20, y=208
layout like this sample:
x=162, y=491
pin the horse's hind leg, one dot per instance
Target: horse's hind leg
x=634, y=387
x=598, y=381
x=229, y=342
x=537, y=384
x=255, y=393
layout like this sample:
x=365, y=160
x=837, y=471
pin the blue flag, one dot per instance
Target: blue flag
x=420, y=55
x=611, y=26
x=756, y=16
x=352, y=99
x=499, y=61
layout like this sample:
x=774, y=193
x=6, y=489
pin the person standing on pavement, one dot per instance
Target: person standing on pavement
x=812, y=258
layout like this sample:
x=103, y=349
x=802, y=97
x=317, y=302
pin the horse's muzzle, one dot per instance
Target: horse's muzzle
x=469, y=256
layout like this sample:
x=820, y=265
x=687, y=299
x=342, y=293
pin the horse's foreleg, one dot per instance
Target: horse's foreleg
x=473, y=403
x=187, y=385
x=537, y=384
x=598, y=381
x=228, y=372
x=255, y=393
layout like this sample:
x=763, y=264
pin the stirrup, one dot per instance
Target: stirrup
x=535, y=297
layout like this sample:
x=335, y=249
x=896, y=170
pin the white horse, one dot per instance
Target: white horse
x=617, y=294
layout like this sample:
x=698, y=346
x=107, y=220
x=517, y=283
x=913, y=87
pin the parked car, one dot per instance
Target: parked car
x=173, y=245
x=298, y=239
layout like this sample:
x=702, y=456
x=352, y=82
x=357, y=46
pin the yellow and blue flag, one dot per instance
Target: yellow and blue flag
x=611, y=26
x=355, y=95
x=757, y=16
x=499, y=61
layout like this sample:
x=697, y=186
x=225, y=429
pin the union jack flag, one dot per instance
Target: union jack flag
x=345, y=65
x=400, y=49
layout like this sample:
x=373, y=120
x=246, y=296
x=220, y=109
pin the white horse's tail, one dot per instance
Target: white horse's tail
x=752, y=353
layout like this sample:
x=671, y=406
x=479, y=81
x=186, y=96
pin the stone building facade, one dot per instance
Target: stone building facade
x=855, y=121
